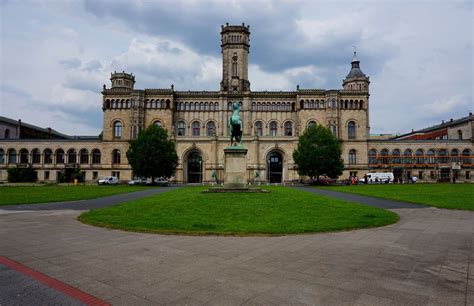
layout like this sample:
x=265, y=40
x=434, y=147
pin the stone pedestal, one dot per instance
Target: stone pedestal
x=235, y=168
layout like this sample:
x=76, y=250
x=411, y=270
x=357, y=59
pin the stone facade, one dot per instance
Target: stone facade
x=198, y=122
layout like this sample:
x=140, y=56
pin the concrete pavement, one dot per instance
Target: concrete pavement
x=426, y=258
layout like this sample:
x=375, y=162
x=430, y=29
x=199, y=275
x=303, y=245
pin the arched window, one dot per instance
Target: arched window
x=157, y=123
x=216, y=106
x=466, y=157
x=7, y=134
x=196, y=128
x=288, y=107
x=71, y=156
x=396, y=157
x=2, y=157
x=259, y=107
x=407, y=157
x=334, y=129
x=459, y=134
x=116, y=156
x=96, y=156
x=192, y=106
x=443, y=156
x=264, y=107
x=278, y=106
x=254, y=106
x=186, y=106
x=351, y=103
x=84, y=156
x=259, y=128
x=181, y=128
x=234, y=69
x=211, y=128
x=373, y=157
x=35, y=156
x=322, y=104
x=352, y=157
x=273, y=128
x=420, y=157
x=23, y=156
x=274, y=106
x=311, y=124
x=454, y=156
x=117, y=129
x=351, y=129
x=306, y=104
x=211, y=106
x=311, y=104
x=301, y=104
x=12, y=157
x=288, y=128
x=206, y=106
x=158, y=104
x=384, y=156
x=431, y=156
x=60, y=156
x=48, y=156
x=181, y=106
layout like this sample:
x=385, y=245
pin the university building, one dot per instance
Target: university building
x=273, y=120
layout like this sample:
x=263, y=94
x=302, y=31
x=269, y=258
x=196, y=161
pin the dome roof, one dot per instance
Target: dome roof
x=355, y=70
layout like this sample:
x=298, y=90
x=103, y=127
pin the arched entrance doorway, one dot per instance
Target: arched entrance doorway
x=194, y=167
x=275, y=167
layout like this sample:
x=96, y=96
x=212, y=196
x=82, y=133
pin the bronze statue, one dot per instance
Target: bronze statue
x=235, y=125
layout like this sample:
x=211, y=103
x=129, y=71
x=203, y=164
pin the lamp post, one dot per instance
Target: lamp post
x=200, y=171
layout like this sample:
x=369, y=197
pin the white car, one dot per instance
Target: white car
x=138, y=181
x=108, y=180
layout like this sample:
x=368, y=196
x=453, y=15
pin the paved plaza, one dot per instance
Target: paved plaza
x=425, y=258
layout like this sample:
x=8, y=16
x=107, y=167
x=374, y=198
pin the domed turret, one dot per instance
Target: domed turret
x=356, y=79
x=122, y=80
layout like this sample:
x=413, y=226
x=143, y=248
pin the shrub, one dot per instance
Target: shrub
x=22, y=175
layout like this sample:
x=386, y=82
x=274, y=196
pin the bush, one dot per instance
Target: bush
x=22, y=175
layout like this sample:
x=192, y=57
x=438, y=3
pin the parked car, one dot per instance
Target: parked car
x=323, y=181
x=138, y=181
x=108, y=180
x=161, y=181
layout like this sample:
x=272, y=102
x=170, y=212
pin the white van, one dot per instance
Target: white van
x=108, y=180
x=378, y=177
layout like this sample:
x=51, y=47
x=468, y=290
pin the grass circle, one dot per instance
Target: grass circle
x=282, y=211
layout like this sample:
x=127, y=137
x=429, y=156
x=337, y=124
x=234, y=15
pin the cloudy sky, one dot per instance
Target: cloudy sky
x=55, y=55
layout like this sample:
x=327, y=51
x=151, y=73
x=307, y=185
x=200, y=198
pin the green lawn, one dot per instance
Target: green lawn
x=11, y=195
x=282, y=211
x=452, y=196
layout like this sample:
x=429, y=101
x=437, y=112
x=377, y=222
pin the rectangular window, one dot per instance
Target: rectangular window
x=353, y=173
x=116, y=173
x=432, y=175
x=420, y=175
x=46, y=175
x=468, y=175
x=95, y=175
x=83, y=173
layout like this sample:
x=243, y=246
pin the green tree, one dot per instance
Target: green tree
x=318, y=153
x=152, y=154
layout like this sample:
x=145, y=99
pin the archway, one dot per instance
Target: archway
x=194, y=167
x=275, y=167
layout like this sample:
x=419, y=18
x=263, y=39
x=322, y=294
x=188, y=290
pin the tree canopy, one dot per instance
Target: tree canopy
x=152, y=154
x=318, y=153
